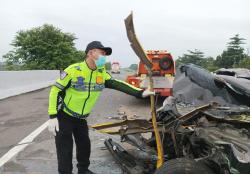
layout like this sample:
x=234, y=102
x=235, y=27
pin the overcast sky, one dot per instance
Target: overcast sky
x=176, y=25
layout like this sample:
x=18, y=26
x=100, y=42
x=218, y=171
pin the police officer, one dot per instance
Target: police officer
x=78, y=88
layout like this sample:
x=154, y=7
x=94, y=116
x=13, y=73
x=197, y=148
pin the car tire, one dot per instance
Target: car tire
x=183, y=166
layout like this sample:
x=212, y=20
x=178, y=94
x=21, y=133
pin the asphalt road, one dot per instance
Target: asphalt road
x=22, y=114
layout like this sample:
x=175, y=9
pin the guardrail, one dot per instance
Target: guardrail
x=18, y=82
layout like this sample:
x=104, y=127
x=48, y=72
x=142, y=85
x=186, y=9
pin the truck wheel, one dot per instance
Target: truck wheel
x=183, y=166
x=165, y=63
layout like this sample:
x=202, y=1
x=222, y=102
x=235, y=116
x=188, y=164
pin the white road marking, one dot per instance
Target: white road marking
x=22, y=144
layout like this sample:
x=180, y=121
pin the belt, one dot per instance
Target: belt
x=74, y=114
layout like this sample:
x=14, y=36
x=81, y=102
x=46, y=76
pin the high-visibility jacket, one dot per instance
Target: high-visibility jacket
x=82, y=87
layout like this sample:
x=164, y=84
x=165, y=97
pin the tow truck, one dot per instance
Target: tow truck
x=163, y=72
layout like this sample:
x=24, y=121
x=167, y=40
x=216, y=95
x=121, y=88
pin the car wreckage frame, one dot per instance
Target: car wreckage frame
x=209, y=139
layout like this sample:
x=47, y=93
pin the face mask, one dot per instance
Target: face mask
x=100, y=62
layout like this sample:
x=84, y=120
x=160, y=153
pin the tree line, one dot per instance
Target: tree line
x=47, y=47
x=234, y=56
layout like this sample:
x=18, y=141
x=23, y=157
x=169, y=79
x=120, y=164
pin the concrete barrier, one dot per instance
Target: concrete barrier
x=17, y=82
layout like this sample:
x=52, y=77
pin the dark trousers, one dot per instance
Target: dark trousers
x=68, y=127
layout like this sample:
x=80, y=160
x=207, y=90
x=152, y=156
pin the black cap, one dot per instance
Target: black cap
x=98, y=45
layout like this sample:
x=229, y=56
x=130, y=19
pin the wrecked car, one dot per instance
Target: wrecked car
x=209, y=139
x=198, y=135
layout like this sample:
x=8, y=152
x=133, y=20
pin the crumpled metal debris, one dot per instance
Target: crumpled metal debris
x=195, y=85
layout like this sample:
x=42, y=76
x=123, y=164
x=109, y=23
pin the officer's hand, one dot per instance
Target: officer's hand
x=53, y=126
x=147, y=93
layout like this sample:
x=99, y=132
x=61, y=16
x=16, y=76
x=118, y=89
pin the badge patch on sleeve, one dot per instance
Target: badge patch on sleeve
x=63, y=74
x=99, y=79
